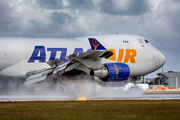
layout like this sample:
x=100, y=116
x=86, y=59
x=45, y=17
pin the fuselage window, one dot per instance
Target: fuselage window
x=125, y=41
x=146, y=41
x=141, y=42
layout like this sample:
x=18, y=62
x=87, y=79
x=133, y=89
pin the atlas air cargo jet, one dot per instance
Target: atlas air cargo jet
x=111, y=58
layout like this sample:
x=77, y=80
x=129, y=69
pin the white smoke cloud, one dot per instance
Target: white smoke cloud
x=70, y=90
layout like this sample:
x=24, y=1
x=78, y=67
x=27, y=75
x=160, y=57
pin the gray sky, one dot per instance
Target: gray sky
x=157, y=20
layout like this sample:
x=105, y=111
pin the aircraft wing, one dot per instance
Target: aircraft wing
x=85, y=62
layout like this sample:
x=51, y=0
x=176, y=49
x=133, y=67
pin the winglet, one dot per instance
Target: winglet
x=95, y=45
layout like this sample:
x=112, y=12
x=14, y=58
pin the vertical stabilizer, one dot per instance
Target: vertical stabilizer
x=96, y=45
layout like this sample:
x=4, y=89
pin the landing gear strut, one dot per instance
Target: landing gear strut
x=134, y=79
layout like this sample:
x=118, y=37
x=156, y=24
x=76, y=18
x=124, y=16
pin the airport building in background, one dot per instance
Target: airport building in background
x=172, y=79
x=168, y=79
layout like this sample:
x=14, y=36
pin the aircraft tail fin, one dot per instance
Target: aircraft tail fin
x=95, y=44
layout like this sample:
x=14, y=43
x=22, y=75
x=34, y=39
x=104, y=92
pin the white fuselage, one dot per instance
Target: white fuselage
x=16, y=57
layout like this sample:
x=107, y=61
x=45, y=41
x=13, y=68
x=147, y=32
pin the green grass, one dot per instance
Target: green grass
x=108, y=110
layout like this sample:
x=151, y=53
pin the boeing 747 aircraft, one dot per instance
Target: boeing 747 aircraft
x=112, y=58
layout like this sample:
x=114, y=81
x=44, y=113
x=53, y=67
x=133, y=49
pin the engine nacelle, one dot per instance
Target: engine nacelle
x=112, y=72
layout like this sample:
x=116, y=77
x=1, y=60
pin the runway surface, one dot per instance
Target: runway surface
x=144, y=96
x=86, y=90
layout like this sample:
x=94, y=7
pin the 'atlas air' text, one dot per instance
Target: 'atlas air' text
x=39, y=54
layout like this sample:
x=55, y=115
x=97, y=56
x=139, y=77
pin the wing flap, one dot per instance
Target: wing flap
x=44, y=74
x=34, y=80
x=54, y=62
x=70, y=57
x=72, y=66
x=37, y=77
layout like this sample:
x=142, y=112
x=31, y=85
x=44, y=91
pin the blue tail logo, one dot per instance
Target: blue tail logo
x=95, y=45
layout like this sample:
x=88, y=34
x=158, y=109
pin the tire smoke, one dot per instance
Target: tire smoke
x=66, y=89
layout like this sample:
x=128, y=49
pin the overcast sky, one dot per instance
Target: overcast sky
x=156, y=20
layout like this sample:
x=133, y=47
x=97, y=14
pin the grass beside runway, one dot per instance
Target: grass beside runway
x=112, y=109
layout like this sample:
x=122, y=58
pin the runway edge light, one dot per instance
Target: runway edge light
x=82, y=98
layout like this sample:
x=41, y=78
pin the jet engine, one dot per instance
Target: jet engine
x=112, y=72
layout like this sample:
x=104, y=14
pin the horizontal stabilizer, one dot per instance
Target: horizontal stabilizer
x=96, y=45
